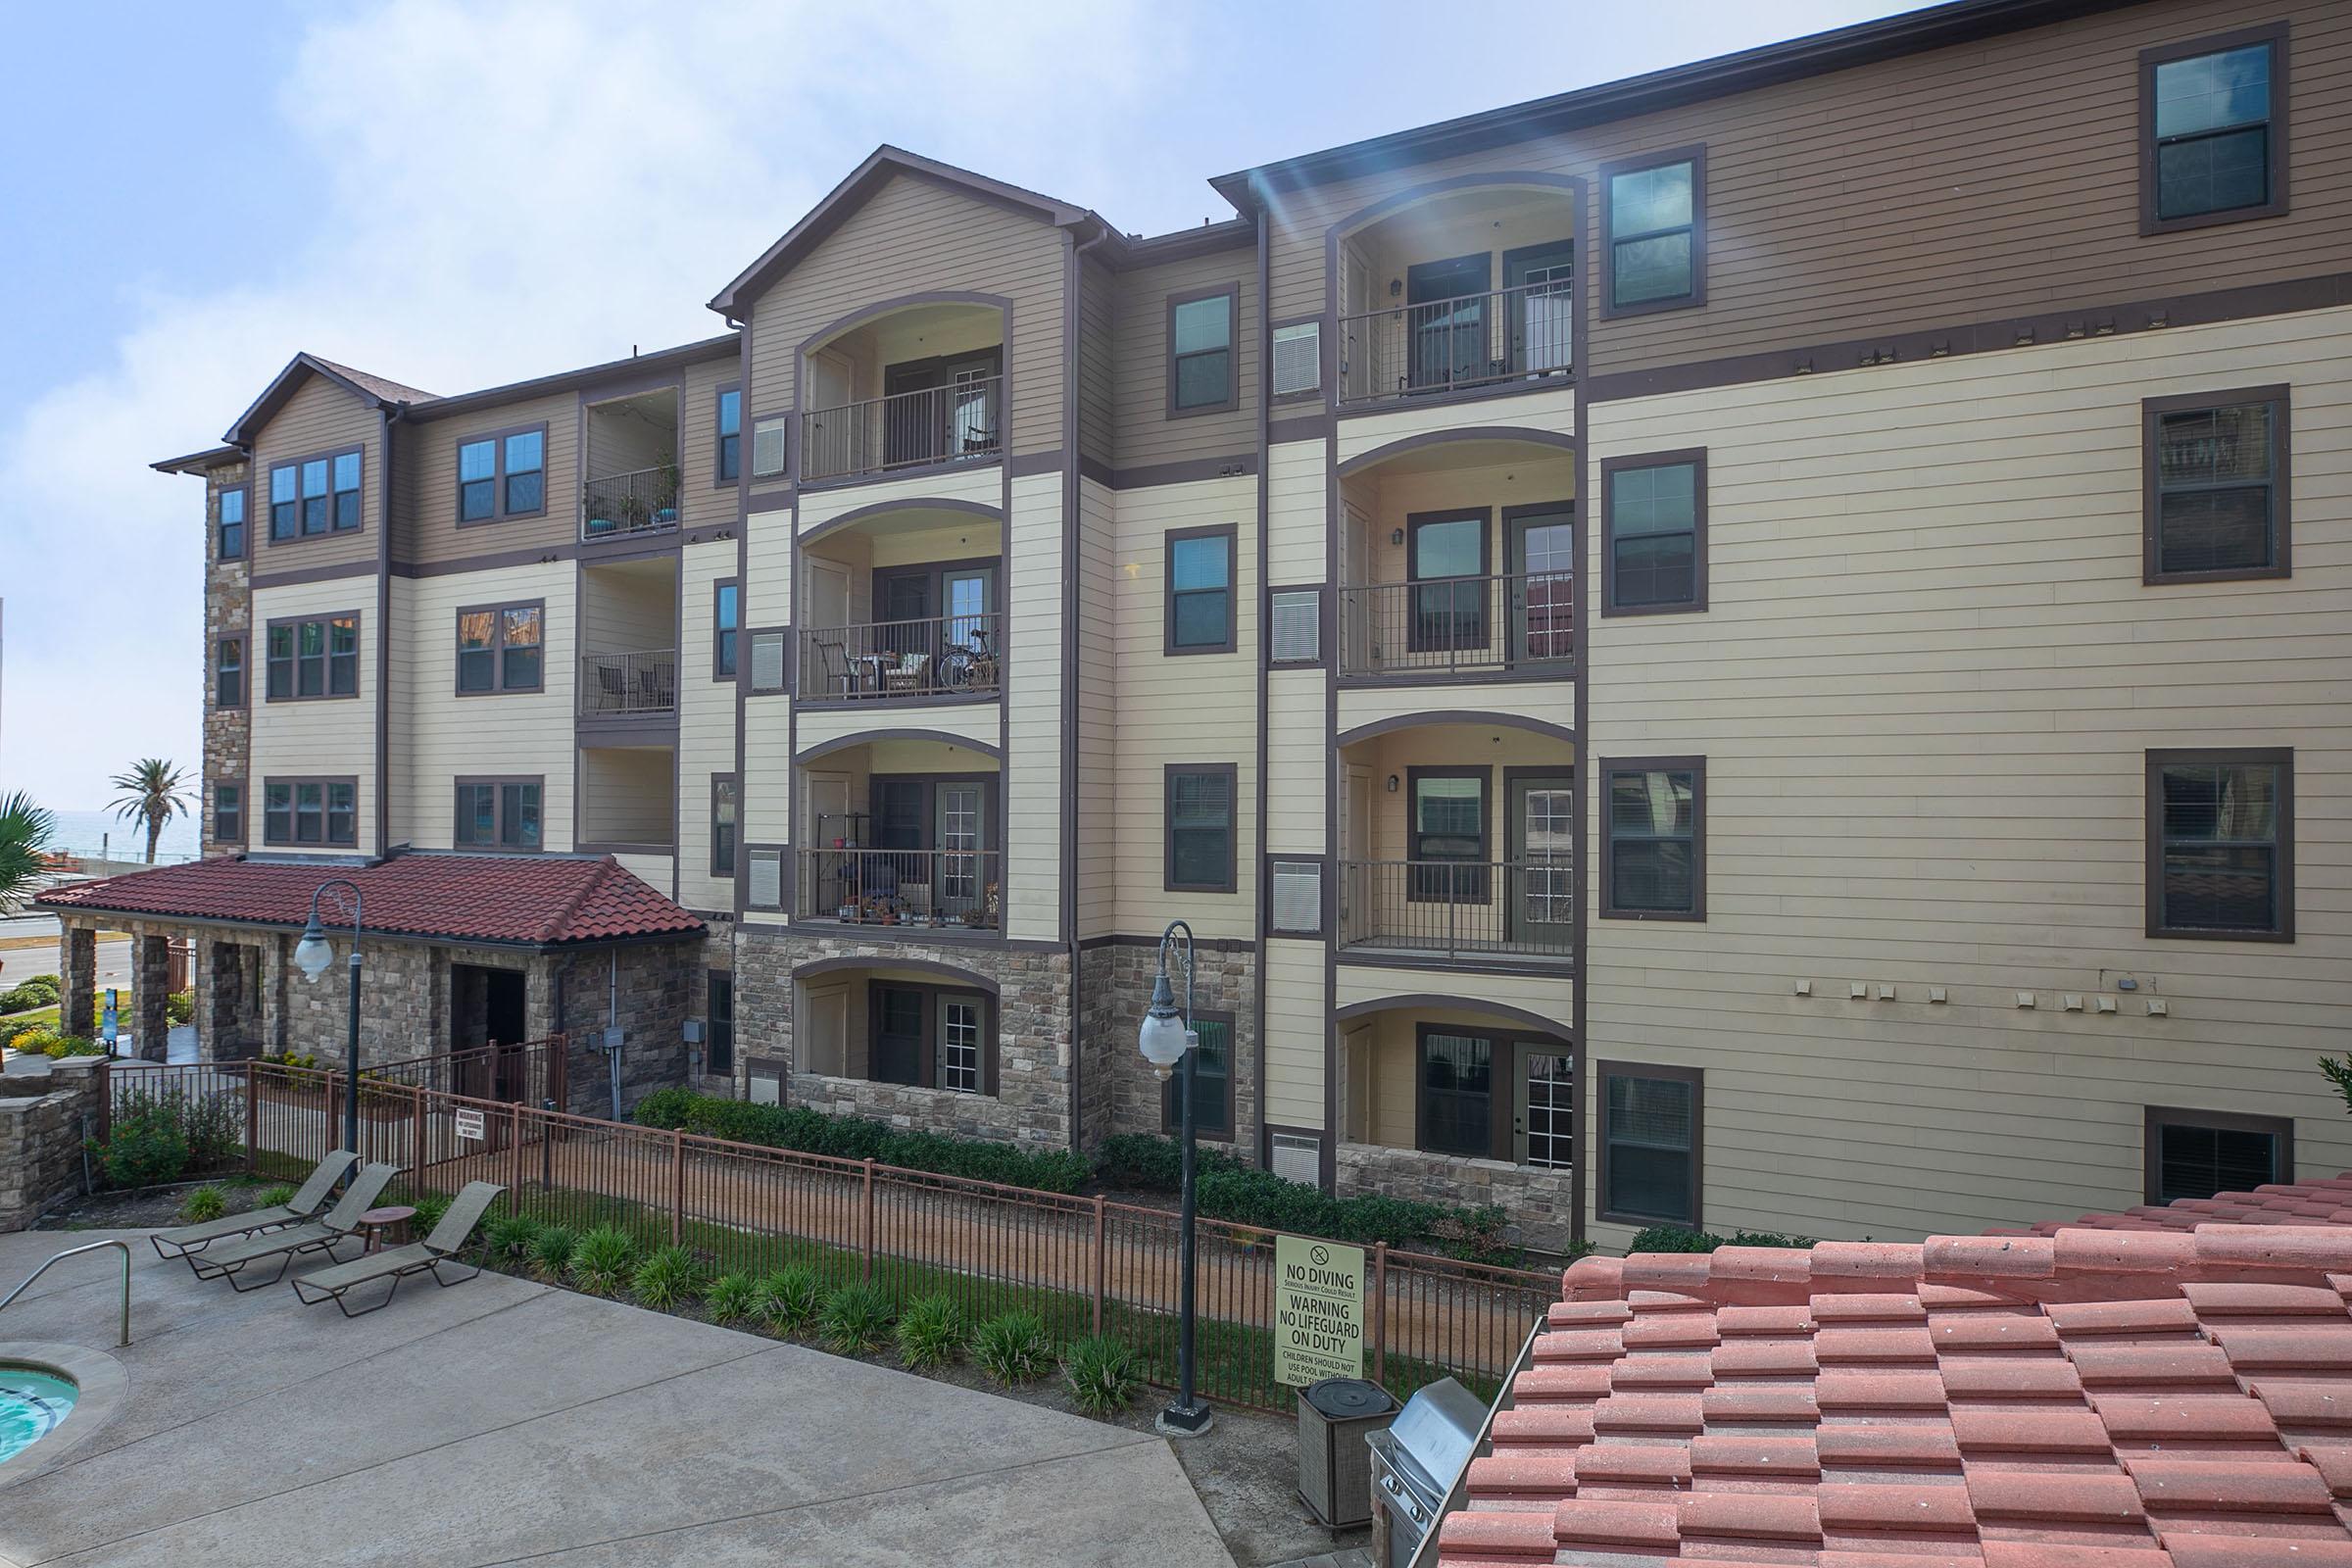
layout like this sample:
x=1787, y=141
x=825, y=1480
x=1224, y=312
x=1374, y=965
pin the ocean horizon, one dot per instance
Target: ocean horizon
x=93, y=833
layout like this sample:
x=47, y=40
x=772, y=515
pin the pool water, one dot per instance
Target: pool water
x=31, y=1403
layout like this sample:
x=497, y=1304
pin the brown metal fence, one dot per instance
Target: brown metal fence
x=1083, y=1264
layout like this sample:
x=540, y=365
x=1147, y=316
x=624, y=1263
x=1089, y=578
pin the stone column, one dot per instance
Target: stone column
x=150, y=984
x=78, y=970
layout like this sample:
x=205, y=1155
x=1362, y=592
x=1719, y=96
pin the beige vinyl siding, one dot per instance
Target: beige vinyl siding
x=625, y=795
x=653, y=870
x=1097, y=306
x=982, y=484
x=1959, y=185
x=446, y=736
x=402, y=717
x=426, y=483
x=767, y=793
x=1297, y=1026
x=1297, y=760
x=1546, y=996
x=1193, y=707
x=319, y=417
x=1548, y=702
x=1033, y=684
x=1144, y=433
x=972, y=721
x=1923, y=688
x=1363, y=433
x=703, y=501
x=915, y=235
x=331, y=738
x=706, y=726
x=1099, y=718
x=1296, y=502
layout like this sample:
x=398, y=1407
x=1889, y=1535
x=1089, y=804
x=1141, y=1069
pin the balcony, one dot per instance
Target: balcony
x=631, y=455
x=620, y=505
x=1525, y=333
x=959, y=421
x=1517, y=625
x=942, y=658
x=1453, y=910
x=918, y=889
x=633, y=685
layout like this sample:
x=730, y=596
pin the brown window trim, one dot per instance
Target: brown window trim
x=933, y=991
x=721, y=480
x=242, y=642
x=245, y=551
x=327, y=618
x=719, y=633
x=498, y=813
x=750, y=638
x=297, y=537
x=746, y=449
x=1312, y=394
x=237, y=811
x=1697, y=767
x=1327, y=891
x=786, y=871
x=1610, y=467
x=323, y=781
x=1266, y=620
x=2280, y=399
x=1479, y=891
x=735, y=783
x=2158, y=1117
x=1696, y=1078
x=2276, y=35
x=1231, y=773
x=498, y=686
x=2282, y=890
x=1231, y=534
x=1604, y=268
x=498, y=474
x=1232, y=294
x=1167, y=1091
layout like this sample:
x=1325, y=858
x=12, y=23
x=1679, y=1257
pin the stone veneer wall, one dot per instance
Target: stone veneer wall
x=228, y=612
x=1122, y=1092
x=1538, y=1202
x=659, y=987
x=1031, y=1105
x=40, y=1137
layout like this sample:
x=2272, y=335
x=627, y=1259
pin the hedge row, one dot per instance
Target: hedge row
x=813, y=1132
x=1675, y=1238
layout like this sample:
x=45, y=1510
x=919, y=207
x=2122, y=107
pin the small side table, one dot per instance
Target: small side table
x=376, y=1221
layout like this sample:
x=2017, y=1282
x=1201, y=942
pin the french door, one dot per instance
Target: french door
x=1542, y=874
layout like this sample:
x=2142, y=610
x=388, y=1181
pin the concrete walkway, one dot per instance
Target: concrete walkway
x=500, y=1421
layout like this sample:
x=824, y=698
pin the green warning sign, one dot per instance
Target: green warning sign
x=1318, y=1310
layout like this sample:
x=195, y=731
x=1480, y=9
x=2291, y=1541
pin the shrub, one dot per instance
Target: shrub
x=669, y=1277
x=202, y=1204
x=1679, y=1239
x=38, y=991
x=1144, y=1162
x=511, y=1236
x=603, y=1257
x=855, y=1320
x=274, y=1197
x=429, y=1206
x=789, y=1298
x=179, y=1006
x=1103, y=1374
x=932, y=1331
x=813, y=1132
x=1013, y=1347
x=552, y=1250
x=146, y=1148
x=732, y=1298
x=59, y=1047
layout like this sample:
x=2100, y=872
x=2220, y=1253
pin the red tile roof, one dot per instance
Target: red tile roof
x=2138, y=1396
x=542, y=901
x=2321, y=1202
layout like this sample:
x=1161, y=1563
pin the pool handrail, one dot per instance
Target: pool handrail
x=76, y=1252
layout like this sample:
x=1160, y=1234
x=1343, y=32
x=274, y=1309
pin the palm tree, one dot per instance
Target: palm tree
x=24, y=830
x=153, y=792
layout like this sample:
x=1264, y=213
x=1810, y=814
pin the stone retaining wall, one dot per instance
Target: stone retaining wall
x=41, y=1121
x=1538, y=1202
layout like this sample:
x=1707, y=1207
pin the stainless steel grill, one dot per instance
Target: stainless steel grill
x=1421, y=1453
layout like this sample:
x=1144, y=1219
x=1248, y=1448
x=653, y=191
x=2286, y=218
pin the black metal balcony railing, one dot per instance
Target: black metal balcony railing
x=622, y=685
x=644, y=501
x=906, y=430
x=936, y=889
x=1509, y=334
x=1454, y=909
x=947, y=656
x=1519, y=623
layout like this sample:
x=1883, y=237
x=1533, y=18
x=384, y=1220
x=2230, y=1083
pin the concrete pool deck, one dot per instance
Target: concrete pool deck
x=501, y=1421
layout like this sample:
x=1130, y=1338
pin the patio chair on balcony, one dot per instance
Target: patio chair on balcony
x=839, y=675
x=910, y=674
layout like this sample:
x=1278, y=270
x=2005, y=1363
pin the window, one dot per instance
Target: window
x=2203, y=1153
x=767, y=870
x=2214, y=486
x=1446, y=835
x=1295, y=622
x=730, y=435
x=232, y=525
x=1201, y=378
x=931, y=1037
x=1654, y=232
x=768, y=434
x=497, y=813
x=1445, y=561
x=1654, y=850
x=314, y=659
x=228, y=813
x=2221, y=845
x=768, y=652
x=311, y=812
x=1654, y=533
x=503, y=474
x=726, y=620
x=963, y=1032
x=1295, y=898
x=501, y=647
x=314, y=495
x=283, y=525
x=229, y=674
x=722, y=824
x=1297, y=358
x=1649, y=1144
x=2212, y=130
x=718, y=1023
x=1200, y=832
x=1456, y=1102
x=1212, y=1082
x=1200, y=590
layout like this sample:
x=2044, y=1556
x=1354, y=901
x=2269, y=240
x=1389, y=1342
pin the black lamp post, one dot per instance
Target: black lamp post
x=312, y=955
x=1167, y=1039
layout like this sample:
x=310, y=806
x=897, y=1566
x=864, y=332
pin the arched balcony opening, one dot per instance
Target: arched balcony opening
x=909, y=385
x=905, y=604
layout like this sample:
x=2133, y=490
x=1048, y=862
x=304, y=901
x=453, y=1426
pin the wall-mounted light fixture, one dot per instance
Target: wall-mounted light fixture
x=1397, y=537
x=1396, y=286
x=1391, y=783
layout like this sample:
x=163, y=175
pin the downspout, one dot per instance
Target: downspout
x=1074, y=518
x=612, y=1030
x=386, y=418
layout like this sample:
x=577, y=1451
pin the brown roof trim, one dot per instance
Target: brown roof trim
x=720, y=347
x=372, y=390
x=200, y=461
x=1933, y=27
x=1125, y=251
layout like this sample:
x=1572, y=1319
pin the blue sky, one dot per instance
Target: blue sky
x=459, y=195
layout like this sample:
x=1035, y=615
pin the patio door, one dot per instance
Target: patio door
x=1446, y=321
x=1544, y=1111
x=1542, y=308
x=959, y=828
x=1542, y=896
x=1446, y=561
x=1542, y=548
x=896, y=1035
x=964, y=597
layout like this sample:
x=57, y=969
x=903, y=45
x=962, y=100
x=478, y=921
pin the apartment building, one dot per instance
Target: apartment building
x=1759, y=645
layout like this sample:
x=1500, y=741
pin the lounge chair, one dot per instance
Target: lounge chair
x=399, y=1262
x=229, y=1259
x=304, y=1206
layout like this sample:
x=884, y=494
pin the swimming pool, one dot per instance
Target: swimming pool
x=31, y=1404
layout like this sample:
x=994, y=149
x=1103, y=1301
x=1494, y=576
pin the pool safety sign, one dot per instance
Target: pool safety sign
x=469, y=1124
x=1318, y=1310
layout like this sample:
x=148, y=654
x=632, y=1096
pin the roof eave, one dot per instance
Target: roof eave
x=200, y=461
x=282, y=387
x=683, y=354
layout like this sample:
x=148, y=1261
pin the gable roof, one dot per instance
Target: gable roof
x=204, y=461
x=377, y=392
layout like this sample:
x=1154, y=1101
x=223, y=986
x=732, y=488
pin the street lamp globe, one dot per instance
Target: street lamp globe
x=313, y=954
x=1163, y=1036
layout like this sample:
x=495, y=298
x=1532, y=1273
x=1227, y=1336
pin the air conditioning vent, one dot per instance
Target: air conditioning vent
x=767, y=889
x=1298, y=1158
x=1296, y=614
x=767, y=661
x=1297, y=358
x=768, y=448
x=1299, y=896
